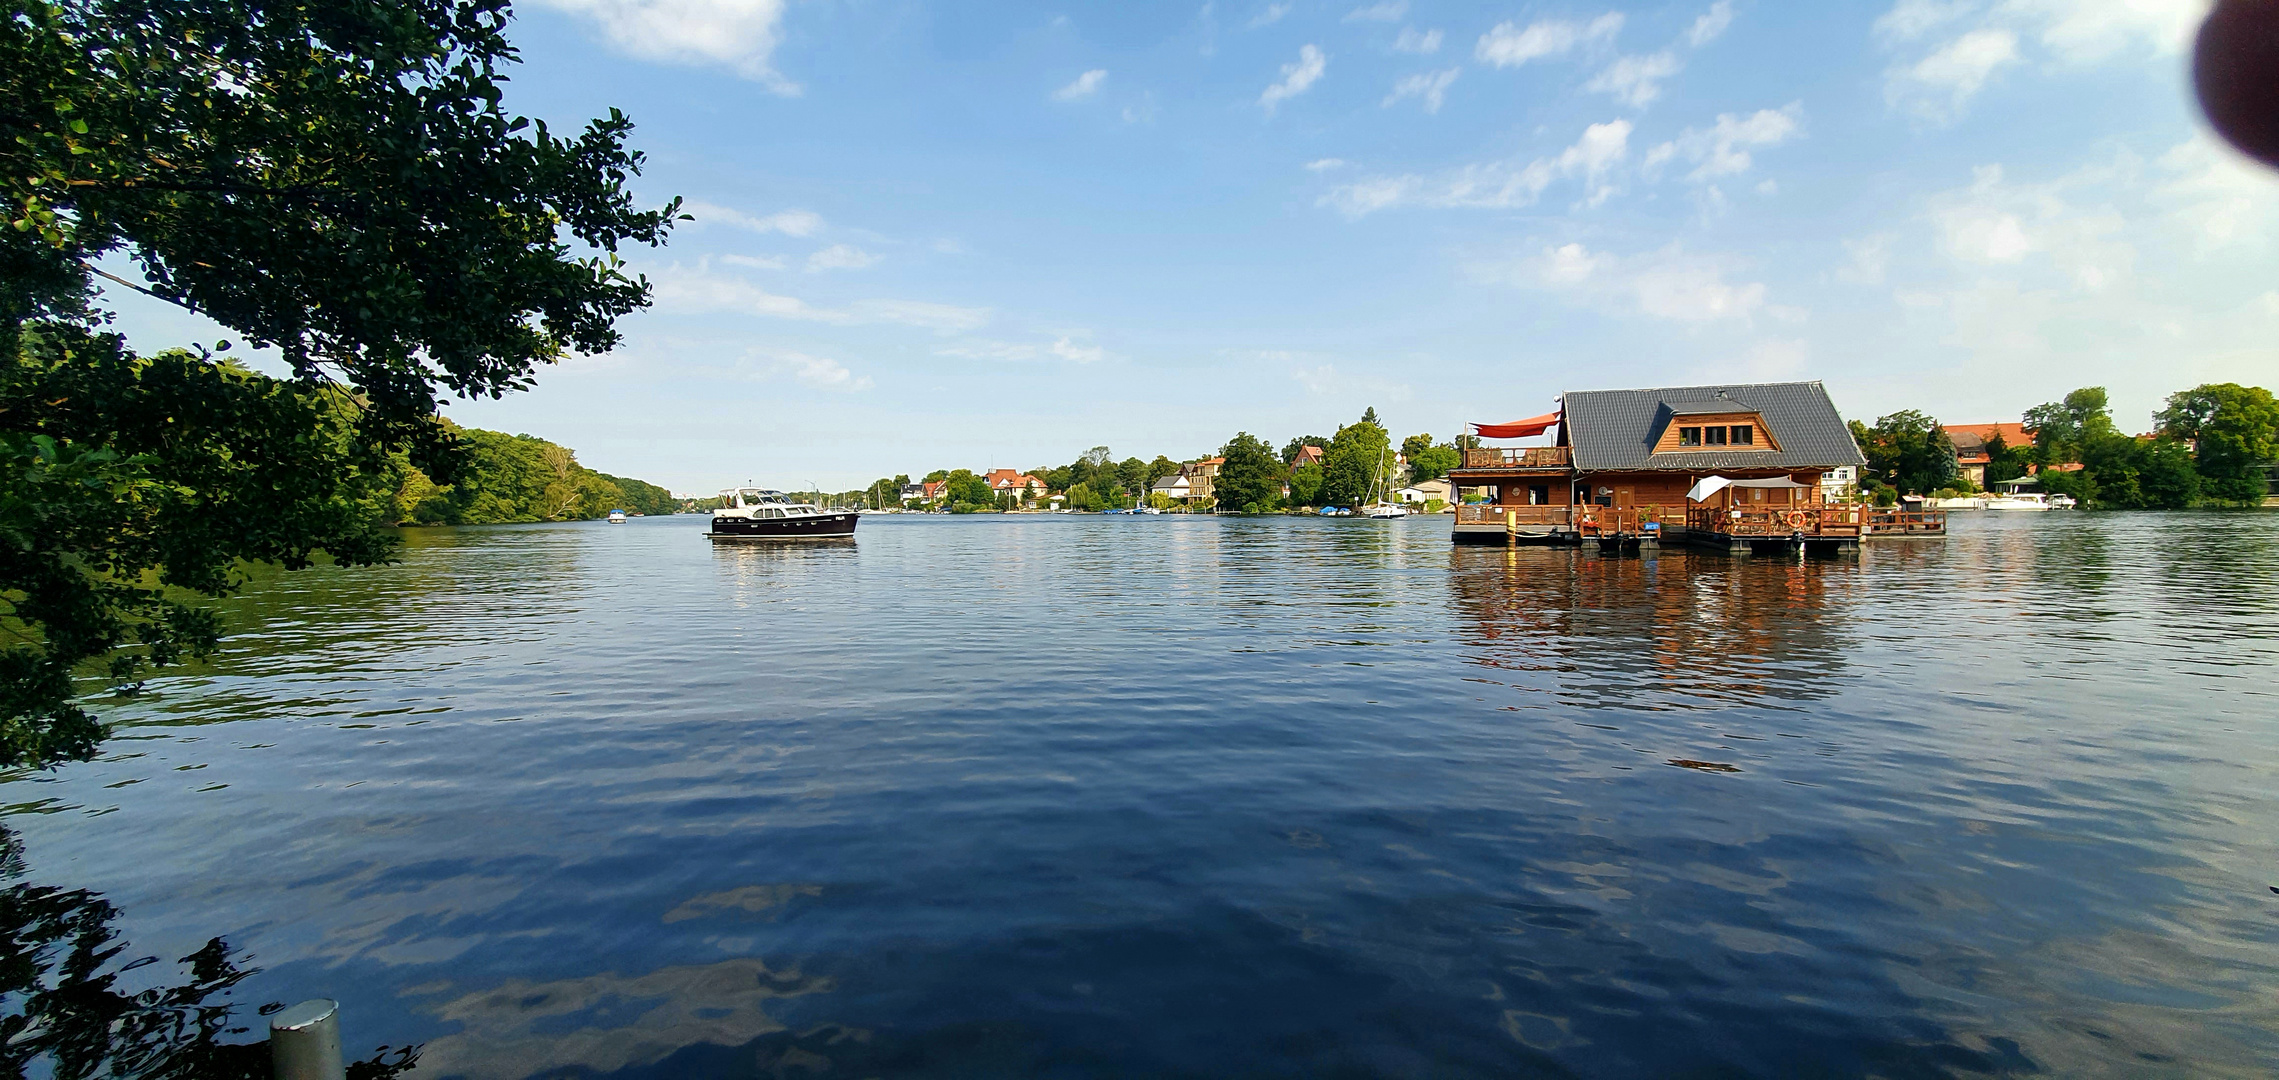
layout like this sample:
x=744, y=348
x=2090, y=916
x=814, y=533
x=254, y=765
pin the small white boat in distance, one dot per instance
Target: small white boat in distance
x=617, y=517
x=2022, y=500
x=1385, y=510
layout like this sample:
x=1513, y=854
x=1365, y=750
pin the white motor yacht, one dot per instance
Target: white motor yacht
x=763, y=514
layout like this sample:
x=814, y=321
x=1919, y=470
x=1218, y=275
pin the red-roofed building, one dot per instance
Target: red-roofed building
x=1020, y=485
x=1309, y=454
x=1971, y=457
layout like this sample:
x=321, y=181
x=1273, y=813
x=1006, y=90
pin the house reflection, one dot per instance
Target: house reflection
x=1667, y=632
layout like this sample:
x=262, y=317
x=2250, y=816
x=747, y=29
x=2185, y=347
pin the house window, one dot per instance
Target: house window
x=1689, y=436
x=1744, y=435
x=1713, y=436
x=1539, y=495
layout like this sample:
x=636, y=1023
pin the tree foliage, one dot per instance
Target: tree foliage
x=2236, y=431
x=1908, y=451
x=2116, y=471
x=1250, y=481
x=1429, y=460
x=337, y=180
x=514, y=478
x=1351, y=461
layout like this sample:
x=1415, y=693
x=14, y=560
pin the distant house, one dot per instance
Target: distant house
x=1971, y=457
x=1199, y=476
x=1174, y=486
x=913, y=491
x=1021, y=486
x=932, y=491
x=1308, y=454
x=1840, y=484
x=1426, y=490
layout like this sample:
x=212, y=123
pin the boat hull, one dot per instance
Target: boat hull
x=819, y=527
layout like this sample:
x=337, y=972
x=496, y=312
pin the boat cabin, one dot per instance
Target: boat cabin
x=1685, y=462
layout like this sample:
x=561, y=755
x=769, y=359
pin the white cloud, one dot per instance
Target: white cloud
x=1711, y=25
x=740, y=35
x=1723, y=149
x=1592, y=159
x=1067, y=348
x=840, y=257
x=1325, y=164
x=946, y=318
x=1432, y=86
x=756, y=262
x=1779, y=358
x=700, y=291
x=2215, y=197
x=1666, y=284
x=820, y=372
x=2088, y=31
x=1325, y=379
x=1871, y=258
x=1510, y=46
x=1270, y=15
x=787, y=222
x=1939, y=85
x=1636, y=80
x=1995, y=223
x=1296, y=77
x=1383, y=11
x=1417, y=42
x=1977, y=38
x=1084, y=86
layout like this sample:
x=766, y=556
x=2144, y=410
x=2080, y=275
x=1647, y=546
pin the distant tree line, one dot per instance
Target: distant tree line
x=1250, y=480
x=2211, y=445
x=504, y=479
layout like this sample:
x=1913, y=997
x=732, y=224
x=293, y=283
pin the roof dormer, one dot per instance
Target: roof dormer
x=1721, y=424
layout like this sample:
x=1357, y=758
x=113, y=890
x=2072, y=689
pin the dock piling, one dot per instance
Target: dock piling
x=304, y=1042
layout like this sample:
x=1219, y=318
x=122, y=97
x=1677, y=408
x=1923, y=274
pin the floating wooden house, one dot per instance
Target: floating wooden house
x=1735, y=467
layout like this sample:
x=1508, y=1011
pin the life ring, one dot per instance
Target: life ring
x=1795, y=519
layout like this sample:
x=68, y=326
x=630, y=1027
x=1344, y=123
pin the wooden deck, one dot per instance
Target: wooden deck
x=1890, y=524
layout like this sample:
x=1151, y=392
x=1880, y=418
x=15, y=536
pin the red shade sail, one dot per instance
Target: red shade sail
x=1517, y=429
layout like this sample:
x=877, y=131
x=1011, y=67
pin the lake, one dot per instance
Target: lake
x=1131, y=796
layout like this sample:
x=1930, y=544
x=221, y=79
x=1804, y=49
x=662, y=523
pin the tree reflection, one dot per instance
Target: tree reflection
x=1657, y=632
x=69, y=1009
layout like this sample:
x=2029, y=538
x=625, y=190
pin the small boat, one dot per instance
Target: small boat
x=1334, y=511
x=2022, y=500
x=763, y=514
x=617, y=517
x=2062, y=502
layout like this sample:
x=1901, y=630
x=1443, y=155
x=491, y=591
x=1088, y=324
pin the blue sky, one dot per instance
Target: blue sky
x=937, y=235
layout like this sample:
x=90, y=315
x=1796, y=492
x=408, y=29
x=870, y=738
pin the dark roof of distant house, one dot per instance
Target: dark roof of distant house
x=1616, y=429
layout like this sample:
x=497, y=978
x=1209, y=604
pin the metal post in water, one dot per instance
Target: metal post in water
x=304, y=1042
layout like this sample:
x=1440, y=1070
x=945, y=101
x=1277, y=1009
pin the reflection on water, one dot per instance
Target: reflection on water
x=1175, y=796
x=70, y=1006
x=1660, y=631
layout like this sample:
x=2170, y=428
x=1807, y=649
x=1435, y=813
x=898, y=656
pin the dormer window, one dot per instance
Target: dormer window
x=1722, y=426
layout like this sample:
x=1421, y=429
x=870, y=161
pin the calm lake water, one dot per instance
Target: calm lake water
x=1082, y=796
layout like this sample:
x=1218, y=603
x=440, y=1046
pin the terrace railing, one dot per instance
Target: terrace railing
x=1525, y=457
x=1526, y=516
x=1906, y=522
x=1812, y=521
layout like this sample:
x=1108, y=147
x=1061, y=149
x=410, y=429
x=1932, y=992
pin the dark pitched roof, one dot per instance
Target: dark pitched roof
x=1615, y=429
